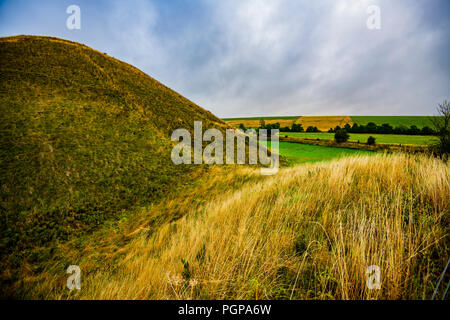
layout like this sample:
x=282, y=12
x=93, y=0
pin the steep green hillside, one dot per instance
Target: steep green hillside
x=84, y=138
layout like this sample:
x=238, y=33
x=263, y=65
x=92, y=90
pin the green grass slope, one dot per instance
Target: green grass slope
x=84, y=138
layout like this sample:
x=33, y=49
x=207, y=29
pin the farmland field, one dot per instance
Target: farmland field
x=297, y=153
x=324, y=123
x=395, y=121
x=362, y=137
x=264, y=118
x=255, y=122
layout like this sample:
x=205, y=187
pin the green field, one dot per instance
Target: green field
x=362, y=137
x=297, y=153
x=395, y=121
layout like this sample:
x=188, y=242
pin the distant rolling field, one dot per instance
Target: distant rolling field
x=255, y=122
x=395, y=121
x=297, y=153
x=324, y=123
x=264, y=118
x=362, y=137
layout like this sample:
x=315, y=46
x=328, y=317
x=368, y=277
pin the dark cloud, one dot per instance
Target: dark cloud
x=265, y=57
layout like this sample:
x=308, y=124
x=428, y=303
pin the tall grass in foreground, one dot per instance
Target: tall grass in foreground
x=309, y=232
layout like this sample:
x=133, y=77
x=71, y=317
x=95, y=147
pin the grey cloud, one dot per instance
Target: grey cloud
x=266, y=57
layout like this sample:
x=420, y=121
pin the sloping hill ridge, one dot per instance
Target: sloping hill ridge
x=84, y=137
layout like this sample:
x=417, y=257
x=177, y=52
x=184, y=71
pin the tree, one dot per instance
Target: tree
x=401, y=129
x=371, y=127
x=427, y=131
x=297, y=127
x=341, y=136
x=312, y=129
x=347, y=127
x=385, y=128
x=262, y=123
x=370, y=141
x=242, y=127
x=413, y=130
x=272, y=126
x=441, y=124
x=355, y=128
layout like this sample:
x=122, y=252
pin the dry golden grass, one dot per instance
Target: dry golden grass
x=324, y=123
x=309, y=232
x=256, y=123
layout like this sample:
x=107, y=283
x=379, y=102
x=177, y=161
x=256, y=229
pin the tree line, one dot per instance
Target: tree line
x=385, y=129
x=296, y=127
x=355, y=128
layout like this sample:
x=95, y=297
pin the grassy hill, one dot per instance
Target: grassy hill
x=84, y=138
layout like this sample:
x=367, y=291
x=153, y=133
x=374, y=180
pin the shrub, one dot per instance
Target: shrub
x=371, y=141
x=312, y=129
x=341, y=136
x=297, y=127
x=442, y=127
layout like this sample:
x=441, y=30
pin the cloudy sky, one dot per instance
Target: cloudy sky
x=267, y=57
